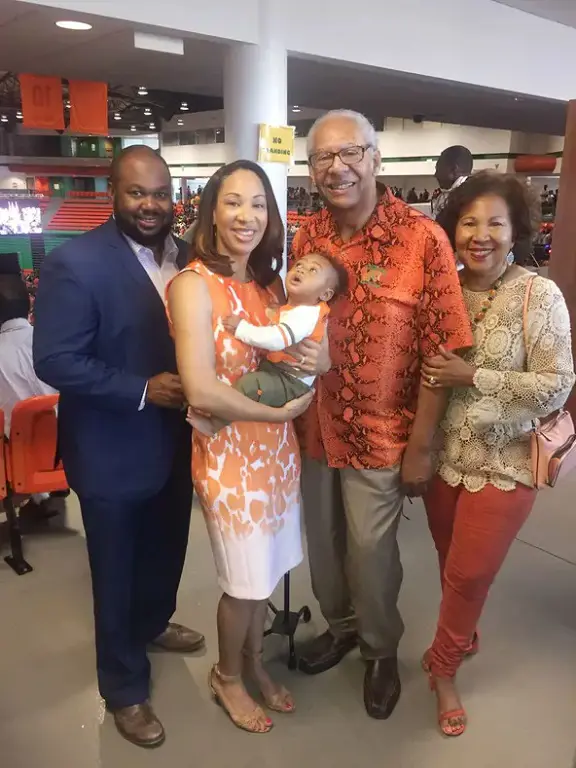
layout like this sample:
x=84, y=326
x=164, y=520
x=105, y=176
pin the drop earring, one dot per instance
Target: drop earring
x=510, y=258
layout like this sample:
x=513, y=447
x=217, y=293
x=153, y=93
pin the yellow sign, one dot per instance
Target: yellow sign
x=276, y=144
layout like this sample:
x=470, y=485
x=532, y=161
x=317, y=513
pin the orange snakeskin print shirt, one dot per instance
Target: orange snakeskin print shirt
x=404, y=300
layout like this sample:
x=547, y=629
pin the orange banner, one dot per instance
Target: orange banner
x=42, y=102
x=88, y=107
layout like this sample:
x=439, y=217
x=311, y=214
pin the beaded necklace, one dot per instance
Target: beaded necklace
x=487, y=303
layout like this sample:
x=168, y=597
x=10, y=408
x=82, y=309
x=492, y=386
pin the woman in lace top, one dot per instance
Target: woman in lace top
x=520, y=369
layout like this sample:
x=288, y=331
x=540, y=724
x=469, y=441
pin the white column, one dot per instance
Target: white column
x=256, y=91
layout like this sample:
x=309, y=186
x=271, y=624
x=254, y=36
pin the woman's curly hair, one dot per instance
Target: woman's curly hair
x=523, y=203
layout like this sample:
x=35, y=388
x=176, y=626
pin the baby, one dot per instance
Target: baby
x=314, y=281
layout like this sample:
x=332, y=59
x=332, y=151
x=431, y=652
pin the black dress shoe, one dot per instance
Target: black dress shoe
x=325, y=652
x=381, y=687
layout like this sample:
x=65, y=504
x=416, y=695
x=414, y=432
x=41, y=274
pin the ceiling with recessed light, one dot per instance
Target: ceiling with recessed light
x=31, y=42
x=76, y=26
x=129, y=108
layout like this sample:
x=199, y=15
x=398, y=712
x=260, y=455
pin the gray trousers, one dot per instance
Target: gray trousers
x=352, y=520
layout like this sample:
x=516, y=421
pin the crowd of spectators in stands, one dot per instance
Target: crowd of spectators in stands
x=302, y=201
x=31, y=280
x=412, y=196
x=298, y=196
x=184, y=216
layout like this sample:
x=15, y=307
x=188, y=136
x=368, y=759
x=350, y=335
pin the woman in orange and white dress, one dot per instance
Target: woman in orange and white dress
x=247, y=475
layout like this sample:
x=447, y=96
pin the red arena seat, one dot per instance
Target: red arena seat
x=30, y=460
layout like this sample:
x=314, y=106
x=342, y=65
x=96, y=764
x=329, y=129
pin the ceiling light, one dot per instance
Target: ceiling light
x=152, y=126
x=184, y=106
x=4, y=119
x=180, y=121
x=132, y=127
x=19, y=115
x=147, y=111
x=67, y=104
x=142, y=90
x=75, y=25
x=117, y=116
x=296, y=108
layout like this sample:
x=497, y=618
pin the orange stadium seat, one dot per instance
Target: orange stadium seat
x=3, y=489
x=87, y=194
x=80, y=215
x=30, y=459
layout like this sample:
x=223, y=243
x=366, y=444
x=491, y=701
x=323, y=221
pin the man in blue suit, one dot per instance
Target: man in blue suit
x=102, y=340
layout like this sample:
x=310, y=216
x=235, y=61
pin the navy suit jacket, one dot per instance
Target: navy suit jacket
x=101, y=332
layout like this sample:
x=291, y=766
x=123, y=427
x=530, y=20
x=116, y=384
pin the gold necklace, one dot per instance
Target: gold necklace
x=487, y=303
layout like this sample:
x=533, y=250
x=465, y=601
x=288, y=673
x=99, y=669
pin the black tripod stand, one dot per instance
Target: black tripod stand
x=286, y=622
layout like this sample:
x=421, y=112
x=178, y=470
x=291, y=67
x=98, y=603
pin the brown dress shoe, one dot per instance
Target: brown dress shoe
x=140, y=725
x=179, y=639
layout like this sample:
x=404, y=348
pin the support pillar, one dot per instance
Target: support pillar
x=563, y=259
x=256, y=91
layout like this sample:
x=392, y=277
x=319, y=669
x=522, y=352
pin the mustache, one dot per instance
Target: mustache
x=121, y=215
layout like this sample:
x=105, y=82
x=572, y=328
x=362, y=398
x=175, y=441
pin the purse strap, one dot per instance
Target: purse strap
x=525, y=311
x=535, y=422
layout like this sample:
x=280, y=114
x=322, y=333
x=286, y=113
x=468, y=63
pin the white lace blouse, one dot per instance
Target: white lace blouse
x=486, y=427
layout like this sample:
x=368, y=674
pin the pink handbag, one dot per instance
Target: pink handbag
x=552, y=441
x=553, y=446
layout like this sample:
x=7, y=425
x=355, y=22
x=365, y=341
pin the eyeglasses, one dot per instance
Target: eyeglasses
x=321, y=161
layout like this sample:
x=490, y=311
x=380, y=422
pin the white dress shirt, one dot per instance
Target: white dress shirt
x=159, y=274
x=18, y=381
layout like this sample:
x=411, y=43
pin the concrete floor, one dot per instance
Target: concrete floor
x=520, y=692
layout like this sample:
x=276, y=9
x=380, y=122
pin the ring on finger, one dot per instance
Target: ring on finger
x=432, y=380
x=303, y=360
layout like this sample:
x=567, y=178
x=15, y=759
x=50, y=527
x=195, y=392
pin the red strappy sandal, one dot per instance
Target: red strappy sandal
x=445, y=719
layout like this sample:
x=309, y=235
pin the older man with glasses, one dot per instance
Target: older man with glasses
x=368, y=440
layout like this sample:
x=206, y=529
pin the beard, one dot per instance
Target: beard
x=129, y=227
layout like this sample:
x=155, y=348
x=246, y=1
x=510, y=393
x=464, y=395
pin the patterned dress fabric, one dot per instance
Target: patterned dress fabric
x=486, y=428
x=247, y=476
x=404, y=300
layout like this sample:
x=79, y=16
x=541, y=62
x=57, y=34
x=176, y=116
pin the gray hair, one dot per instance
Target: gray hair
x=347, y=114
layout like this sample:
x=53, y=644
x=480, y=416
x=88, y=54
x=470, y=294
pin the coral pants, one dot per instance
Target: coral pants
x=472, y=533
